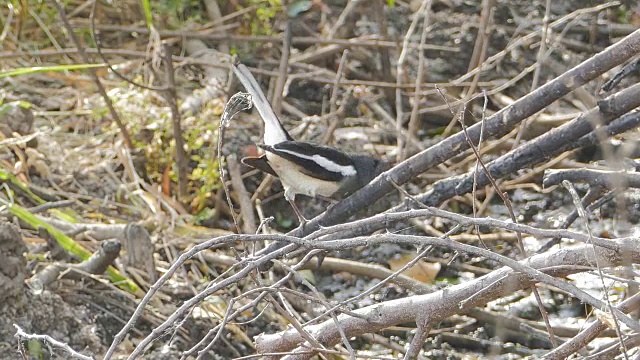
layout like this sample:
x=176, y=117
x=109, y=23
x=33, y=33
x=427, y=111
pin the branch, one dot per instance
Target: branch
x=459, y=298
x=496, y=126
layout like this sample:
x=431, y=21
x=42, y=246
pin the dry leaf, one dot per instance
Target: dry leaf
x=606, y=318
x=422, y=271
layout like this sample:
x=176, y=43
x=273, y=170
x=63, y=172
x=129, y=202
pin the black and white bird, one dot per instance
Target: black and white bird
x=304, y=168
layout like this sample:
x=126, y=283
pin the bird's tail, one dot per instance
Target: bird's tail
x=274, y=133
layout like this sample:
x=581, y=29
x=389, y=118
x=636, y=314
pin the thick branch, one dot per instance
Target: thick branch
x=452, y=300
x=495, y=126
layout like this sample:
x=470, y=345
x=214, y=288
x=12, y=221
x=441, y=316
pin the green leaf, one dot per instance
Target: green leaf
x=41, y=69
x=298, y=8
x=8, y=177
x=24, y=104
x=35, y=349
x=146, y=5
x=67, y=215
x=71, y=246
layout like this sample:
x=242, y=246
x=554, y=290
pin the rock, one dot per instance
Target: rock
x=14, y=117
x=13, y=265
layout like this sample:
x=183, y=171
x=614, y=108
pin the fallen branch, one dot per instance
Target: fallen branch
x=439, y=305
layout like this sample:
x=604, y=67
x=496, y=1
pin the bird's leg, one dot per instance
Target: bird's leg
x=290, y=195
x=301, y=218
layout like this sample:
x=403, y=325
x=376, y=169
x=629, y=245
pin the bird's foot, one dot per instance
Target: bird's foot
x=303, y=221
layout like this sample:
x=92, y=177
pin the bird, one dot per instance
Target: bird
x=304, y=168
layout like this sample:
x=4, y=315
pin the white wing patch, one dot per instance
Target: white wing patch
x=345, y=170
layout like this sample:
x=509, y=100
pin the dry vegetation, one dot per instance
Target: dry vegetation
x=505, y=228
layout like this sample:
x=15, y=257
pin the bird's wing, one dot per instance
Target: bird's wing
x=317, y=161
x=273, y=130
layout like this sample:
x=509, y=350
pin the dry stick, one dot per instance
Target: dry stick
x=320, y=298
x=524, y=156
x=97, y=263
x=276, y=100
x=217, y=64
x=477, y=56
x=539, y=60
x=386, y=342
x=493, y=222
x=170, y=94
x=431, y=306
x=630, y=68
x=490, y=348
x=477, y=167
x=543, y=44
x=142, y=54
x=594, y=198
x=8, y=23
x=49, y=341
x=51, y=205
x=507, y=203
x=539, y=149
x=336, y=265
x=215, y=79
x=372, y=223
x=385, y=57
x=249, y=224
x=423, y=326
x=513, y=324
x=266, y=293
x=525, y=39
x=212, y=288
x=96, y=40
x=296, y=40
x=419, y=338
x=520, y=244
x=606, y=178
x=317, y=54
x=234, y=105
x=532, y=332
x=382, y=114
x=401, y=74
x=385, y=280
x=44, y=28
x=476, y=151
x=289, y=317
x=412, y=129
x=93, y=73
x=495, y=126
x=333, y=102
x=480, y=47
x=627, y=122
x=612, y=349
x=581, y=93
x=583, y=215
x=384, y=220
x=491, y=61
x=214, y=334
x=342, y=18
x=215, y=15
x=590, y=333
x=237, y=103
